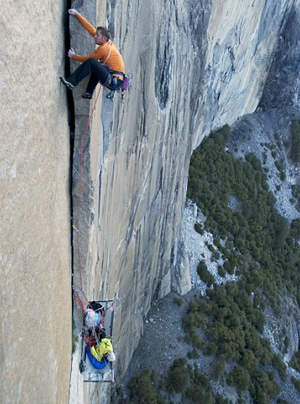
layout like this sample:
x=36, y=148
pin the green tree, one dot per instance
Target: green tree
x=295, y=141
x=296, y=383
x=278, y=364
x=248, y=360
x=218, y=369
x=177, y=376
x=204, y=274
x=239, y=377
x=142, y=389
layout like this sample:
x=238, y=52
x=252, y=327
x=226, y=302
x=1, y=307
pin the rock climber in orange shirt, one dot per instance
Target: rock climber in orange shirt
x=104, y=65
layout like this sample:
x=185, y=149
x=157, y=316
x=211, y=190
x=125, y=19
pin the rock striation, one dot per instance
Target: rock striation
x=195, y=67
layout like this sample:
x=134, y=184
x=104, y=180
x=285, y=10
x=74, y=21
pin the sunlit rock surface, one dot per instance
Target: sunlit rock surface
x=35, y=237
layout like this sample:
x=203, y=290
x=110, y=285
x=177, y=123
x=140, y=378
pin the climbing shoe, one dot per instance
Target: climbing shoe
x=87, y=95
x=66, y=83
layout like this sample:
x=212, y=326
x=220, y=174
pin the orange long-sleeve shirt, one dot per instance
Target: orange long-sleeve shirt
x=107, y=52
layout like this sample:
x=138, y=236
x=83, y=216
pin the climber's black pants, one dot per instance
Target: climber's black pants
x=97, y=71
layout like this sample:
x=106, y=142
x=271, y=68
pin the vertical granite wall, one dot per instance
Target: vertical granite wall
x=35, y=250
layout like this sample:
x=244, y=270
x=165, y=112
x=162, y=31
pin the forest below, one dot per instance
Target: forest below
x=253, y=241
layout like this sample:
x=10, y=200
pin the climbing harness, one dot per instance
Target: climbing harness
x=112, y=83
x=123, y=87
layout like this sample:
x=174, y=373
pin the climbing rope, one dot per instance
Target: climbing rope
x=80, y=289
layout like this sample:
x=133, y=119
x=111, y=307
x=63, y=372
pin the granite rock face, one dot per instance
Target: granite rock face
x=35, y=207
x=283, y=85
x=195, y=67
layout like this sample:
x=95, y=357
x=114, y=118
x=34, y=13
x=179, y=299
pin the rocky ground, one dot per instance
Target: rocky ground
x=163, y=338
x=267, y=135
